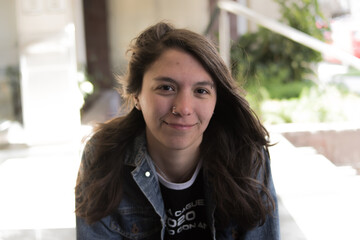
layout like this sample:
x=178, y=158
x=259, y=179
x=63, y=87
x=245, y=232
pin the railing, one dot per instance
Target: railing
x=289, y=32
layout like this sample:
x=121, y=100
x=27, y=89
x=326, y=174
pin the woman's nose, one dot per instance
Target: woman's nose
x=183, y=104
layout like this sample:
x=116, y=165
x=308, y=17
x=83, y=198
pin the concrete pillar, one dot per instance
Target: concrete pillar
x=50, y=96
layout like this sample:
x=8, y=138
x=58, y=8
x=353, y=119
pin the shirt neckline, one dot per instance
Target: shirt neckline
x=180, y=186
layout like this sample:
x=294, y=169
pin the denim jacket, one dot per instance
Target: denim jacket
x=141, y=214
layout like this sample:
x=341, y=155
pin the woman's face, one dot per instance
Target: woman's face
x=177, y=80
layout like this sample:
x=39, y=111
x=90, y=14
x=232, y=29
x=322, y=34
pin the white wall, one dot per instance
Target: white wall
x=8, y=34
x=49, y=88
x=127, y=18
x=78, y=13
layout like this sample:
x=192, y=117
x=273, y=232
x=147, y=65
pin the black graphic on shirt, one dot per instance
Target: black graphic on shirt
x=186, y=212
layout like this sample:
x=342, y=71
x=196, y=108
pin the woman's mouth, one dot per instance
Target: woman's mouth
x=180, y=126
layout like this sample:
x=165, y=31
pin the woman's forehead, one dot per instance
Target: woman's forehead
x=177, y=64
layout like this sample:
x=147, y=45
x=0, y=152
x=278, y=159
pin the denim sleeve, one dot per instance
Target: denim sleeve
x=97, y=231
x=271, y=228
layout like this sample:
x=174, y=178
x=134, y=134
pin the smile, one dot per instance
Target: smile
x=180, y=126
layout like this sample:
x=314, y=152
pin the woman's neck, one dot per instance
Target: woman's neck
x=176, y=171
x=175, y=166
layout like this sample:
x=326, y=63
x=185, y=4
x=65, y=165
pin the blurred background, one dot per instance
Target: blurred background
x=297, y=59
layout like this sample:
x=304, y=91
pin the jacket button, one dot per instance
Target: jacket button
x=147, y=174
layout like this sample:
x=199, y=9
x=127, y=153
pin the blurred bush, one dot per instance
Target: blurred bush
x=270, y=66
x=315, y=104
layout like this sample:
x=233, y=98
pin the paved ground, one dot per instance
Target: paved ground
x=37, y=192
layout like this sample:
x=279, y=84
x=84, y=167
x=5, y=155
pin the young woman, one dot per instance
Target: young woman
x=189, y=160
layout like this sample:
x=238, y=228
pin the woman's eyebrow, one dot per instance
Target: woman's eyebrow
x=165, y=79
x=173, y=81
x=205, y=83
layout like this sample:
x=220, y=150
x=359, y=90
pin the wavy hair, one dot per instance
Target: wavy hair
x=234, y=146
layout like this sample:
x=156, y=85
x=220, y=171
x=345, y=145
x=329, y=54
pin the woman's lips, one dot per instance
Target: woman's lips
x=180, y=125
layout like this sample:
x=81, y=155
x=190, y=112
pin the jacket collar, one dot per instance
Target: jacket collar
x=138, y=152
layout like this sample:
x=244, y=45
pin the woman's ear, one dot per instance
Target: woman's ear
x=137, y=103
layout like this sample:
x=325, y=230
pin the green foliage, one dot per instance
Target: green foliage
x=315, y=104
x=269, y=60
x=301, y=15
x=258, y=95
x=278, y=72
x=13, y=76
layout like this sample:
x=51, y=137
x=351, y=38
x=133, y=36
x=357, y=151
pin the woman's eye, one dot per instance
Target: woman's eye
x=166, y=88
x=202, y=91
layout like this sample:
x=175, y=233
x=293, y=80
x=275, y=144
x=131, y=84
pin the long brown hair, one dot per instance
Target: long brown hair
x=234, y=146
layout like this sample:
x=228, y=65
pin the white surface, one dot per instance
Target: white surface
x=321, y=198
